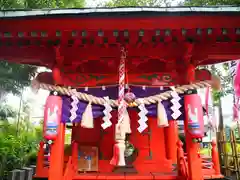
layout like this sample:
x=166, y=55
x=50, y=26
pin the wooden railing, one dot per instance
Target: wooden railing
x=211, y=165
x=229, y=156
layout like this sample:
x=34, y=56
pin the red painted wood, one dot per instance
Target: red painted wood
x=145, y=144
x=84, y=136
x=108, y=139
x=105, y=166
x=140, y=176
x=144, y=59
x=170, y=135
x=172, y=22
x=92, y=80
x=56, y=164
x=140, y=141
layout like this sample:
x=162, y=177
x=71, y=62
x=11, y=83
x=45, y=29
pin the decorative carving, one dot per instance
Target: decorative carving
x=70, y=77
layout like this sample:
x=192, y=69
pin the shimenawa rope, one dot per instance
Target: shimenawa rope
x=114, y=103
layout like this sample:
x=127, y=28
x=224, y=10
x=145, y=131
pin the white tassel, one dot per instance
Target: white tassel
x=162, y=119
x=87, y=117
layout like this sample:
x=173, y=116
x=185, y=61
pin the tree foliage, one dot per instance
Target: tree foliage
x=19, y=150
x=39, y=4
x=211, y=2
x=124, y=3
x=7, y=111
x=13, y=77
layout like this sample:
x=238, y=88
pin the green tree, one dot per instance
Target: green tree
x=13, y=77
x=211, y=2
x=123, y=3
x=7, y=111
x=17, y=151
x=39, y=4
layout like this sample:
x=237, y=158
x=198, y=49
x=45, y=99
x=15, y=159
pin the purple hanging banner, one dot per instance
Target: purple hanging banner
x=112, y=93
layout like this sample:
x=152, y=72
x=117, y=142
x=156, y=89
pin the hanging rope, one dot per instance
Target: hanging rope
x=114, y=103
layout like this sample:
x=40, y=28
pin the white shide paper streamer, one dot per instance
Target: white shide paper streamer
x=74, y=107
x=176, y=105
x=143, y=118
x=107, y=114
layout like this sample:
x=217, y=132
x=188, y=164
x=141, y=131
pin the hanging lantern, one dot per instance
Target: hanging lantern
x=194, y=116
x=52, y=117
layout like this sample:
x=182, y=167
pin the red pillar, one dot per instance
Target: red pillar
x=193, y=155
x=40, y=160
x=215, y=158
x=57, y=155
x=171, y=137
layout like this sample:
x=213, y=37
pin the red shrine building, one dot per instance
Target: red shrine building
x=122, y=77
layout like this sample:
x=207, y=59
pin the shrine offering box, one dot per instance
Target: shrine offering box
x=87, y=158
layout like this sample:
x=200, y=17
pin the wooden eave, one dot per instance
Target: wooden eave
x=90, y=38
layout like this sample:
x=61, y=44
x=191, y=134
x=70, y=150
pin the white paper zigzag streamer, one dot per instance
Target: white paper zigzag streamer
x=176, y=105
x=107, y=114
x=74, y=108
x=143, y=118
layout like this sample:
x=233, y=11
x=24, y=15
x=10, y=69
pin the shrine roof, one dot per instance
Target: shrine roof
x=81, y=41
x=120, y=11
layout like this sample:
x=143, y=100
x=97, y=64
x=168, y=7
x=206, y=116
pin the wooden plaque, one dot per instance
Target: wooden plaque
x=87, y=158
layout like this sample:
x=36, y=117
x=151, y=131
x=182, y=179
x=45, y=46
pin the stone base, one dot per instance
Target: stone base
x=125, y=169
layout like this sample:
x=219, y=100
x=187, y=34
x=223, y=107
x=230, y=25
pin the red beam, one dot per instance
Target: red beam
x=165, y=53
x=166, y=22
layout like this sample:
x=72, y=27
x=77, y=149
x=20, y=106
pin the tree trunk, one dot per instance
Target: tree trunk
x=221, y=123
